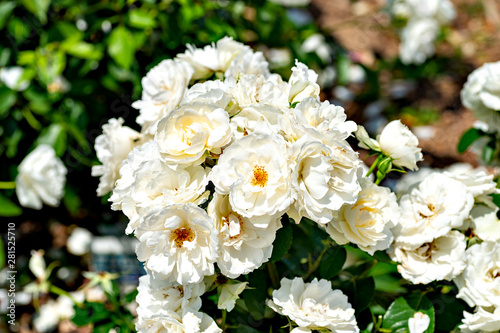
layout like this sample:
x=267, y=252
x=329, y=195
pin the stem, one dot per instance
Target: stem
x=378, y=181
x=374, y=165
x=316, y=263
x=30, y=118
x=223, y=324
x=273, y=274
x=7, y=185
x=60, y=292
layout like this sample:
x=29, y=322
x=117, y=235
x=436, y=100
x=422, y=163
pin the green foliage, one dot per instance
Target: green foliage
x=468, y=138
x=8, y=208
x=402, y=309
x=283, y=241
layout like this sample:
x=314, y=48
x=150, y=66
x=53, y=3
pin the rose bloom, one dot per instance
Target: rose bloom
x=178, y=243
x=482, y=95
x=164, y=306
x=163, y=89
x=191, y=131
x=479, y=283
x=254, y=172
x=251, y=90
x=324, y=177
x=243, y=246
x=369, y=221
x=112, y=147
x=302, y=83
x=441, y=259
x=482, y=320
x=395, y=141
x=147, y=183
x=248, y=62
x=212, y=58
x=41, y=178
x=484, y=223
x=211, y=92
x=432, y=209
x=314, y=305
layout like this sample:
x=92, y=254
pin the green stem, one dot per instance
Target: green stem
x=273, y=274
x=7, y=185
x=378, y=181
x=315, y=266
x=60, y=292
x=224, y=317
x=374, y=165
x=30, y=118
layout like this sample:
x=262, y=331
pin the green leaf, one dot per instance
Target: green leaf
x=468, y=138
x=55, y=136
x=496, y=199
x=2, y=253
x=141, y=19
x=449, y=311
x=38, y=7
x=363, y=290
x=8, y=208
x=489, y=151
x=121, y=47
x=283, y=242
x=131, y=296
x=402, y=309
x=7, y=99
x=82, y=50
x=6, y=9
x=332, y=262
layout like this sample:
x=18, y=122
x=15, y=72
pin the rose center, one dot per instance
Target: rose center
x=181, y=235
x=260, y=176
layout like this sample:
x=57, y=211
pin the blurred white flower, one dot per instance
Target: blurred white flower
x=55, y=311
x=229, y=294
x=12, y=77
x=314, y=305
x=481, y=94
x=480, y=281
x=254, y=172
x=243, y=246
x=79, y=241
x=419, y=322
x=431, y=209
x=59, y=85
x=112, y=147
x=325, y=176
x=484, y=319
x=37, y=265
x=192, y=131
x=368, y=222
x=41, y=178
x=178, y=243
x=164, y=88
x=292, y=3
x=316, y=43
x=441, y=259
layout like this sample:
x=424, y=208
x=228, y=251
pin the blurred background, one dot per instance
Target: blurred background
x=67, y=66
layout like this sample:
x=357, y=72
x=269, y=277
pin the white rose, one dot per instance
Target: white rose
x=417, y=40
x=324, y=177
x=250, y=90
x=485, y=223
x=419, y=322
x=248, y=62
x=482, y=320
x=191, y=131
x=479, y=283
x=314, y=305
x=112, y=147
x=211, y=92
x=229, y=294
x=479, y=181
x=481, y=94
x=153, y=184
x=189, y=321
x=79, y=241
x=254, y=172
x=368, y=222
x=41, y=178
x=432, y=209
x=213, y=58
x=258, y=118
x=178, y=243
x=302, y=83
x=412, y=178
x=441, y=259
x=243, y=246
x=440, y=10
x=163, y=89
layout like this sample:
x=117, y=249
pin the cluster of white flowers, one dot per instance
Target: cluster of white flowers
x=424, y=19
x=219, y=131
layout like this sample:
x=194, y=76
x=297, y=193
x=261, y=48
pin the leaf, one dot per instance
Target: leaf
x=489, y=151
x=8, y=208
x=449, y=311
x=496, y=199
x=82, y=50
x=468, y=138
x=6, y=9
x=141, y=19
x=38, y=7
x=55, y=136
x=332, y=262
x=283, y=242
x=402, y=309
x=121, y=47
x=7, y=99
x=363, y=293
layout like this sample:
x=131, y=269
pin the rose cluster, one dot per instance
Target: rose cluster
x=225, y=149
